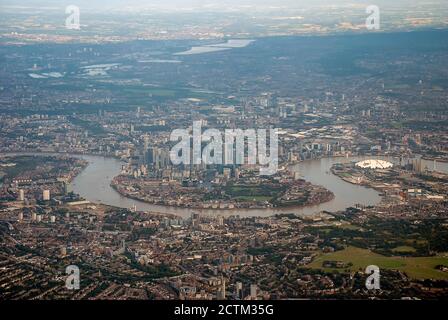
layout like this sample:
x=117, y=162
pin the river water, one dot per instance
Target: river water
x=94, y=185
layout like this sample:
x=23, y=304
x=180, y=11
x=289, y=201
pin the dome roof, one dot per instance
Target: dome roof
x=374, y=164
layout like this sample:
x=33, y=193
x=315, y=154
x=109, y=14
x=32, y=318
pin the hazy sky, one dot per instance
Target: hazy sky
x=212, y=4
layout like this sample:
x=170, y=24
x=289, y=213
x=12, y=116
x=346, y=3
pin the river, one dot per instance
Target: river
x=94, y=185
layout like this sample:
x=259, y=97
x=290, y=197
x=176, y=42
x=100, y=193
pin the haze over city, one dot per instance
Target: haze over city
x=248, y=150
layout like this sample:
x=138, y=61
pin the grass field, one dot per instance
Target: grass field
x=348, y=226
x=417, y=268
x=404, y=249
x=252, y=193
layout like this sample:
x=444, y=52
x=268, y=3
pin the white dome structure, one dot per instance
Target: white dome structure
x=374, y=164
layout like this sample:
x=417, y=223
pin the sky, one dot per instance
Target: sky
x=212, y=4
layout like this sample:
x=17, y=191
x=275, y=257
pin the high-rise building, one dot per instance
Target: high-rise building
x=195, y=219
x=237, y=174
x=223, y=288
x=21, y=195
x=46, y=195
x=151, y=155
x=253, y=291
x=161, y=158
x=63, y=251
x=145, y=149
x=239, y=290
x=226, y=172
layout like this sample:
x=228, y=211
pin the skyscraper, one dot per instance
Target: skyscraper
x=223, y=288
x=21, y=195
x=145, y=149
x=239, y=290
x=46, y=195
x=253, y=291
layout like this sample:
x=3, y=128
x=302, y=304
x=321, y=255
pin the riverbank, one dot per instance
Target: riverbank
x=244, y=192
x=23, y=166
x=352, y=180
x=93, y=184
x=316, y=195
